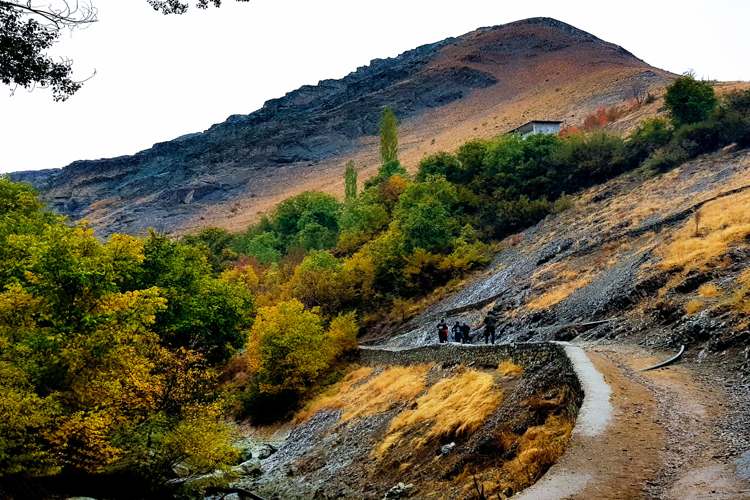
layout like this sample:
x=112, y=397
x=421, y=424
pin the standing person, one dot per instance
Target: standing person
x=442, y=331
x=465, y=331
x=456, y=331
x=489, y=328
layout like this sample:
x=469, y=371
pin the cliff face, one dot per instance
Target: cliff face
x=480, y=84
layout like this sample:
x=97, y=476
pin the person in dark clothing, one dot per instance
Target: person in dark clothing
x=465, y=331
x=456, y=331
x=442, y=331
x=490, y=323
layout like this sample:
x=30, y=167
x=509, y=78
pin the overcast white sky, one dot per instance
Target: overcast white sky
x=160, y=77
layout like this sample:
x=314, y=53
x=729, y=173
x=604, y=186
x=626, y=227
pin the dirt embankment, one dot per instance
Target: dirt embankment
x=446, y=421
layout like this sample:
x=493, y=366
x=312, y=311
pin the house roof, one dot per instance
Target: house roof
x=547, y=122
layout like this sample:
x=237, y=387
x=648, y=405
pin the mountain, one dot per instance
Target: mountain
x=477, y=85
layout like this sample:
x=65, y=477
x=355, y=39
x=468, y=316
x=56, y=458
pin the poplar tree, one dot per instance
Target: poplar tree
x=388, y=136
x=350, y=182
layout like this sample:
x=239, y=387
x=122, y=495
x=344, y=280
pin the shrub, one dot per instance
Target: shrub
x=444, y=164
x=586, y=159
x=650, y=135
x=508, y=216
x=689, y=100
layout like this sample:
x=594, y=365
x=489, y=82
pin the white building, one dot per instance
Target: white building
x=537, y=127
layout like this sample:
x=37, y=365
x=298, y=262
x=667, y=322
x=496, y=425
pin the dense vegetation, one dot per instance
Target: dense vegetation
x=131, y=354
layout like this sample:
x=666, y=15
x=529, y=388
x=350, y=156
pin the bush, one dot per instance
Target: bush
x=734, y=114
x=586, y=159
x=689, y=100
x=443, y=164
x=288, y=351
x=650, y=135
x=511, y=215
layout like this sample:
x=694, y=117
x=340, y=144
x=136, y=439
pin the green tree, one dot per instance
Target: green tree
x=444, y=164
x=308, y=220
x=689, y=100
x=425, y=215
x=388, y=137
x=203, y=313
x=350, y=182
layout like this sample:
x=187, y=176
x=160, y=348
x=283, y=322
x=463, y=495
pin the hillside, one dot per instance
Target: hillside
x=476, y=85
x=637, y=268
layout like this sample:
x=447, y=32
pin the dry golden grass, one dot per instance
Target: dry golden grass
x=709, y=290
x=720, y=224
x=509, y=369
x=557, y=294
x=536, y=450
x=452, y=407
x=739, y=300
x=694, y=306
x=359, y=396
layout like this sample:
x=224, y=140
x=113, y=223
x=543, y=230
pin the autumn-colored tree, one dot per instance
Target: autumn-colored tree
x=288, y=350
x=88, y=383
x=317, y=282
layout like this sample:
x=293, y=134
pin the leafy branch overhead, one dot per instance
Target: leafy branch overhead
x=28, y=29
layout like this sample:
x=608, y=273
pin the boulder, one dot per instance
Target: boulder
x=447, y=448
x=251, y=468
x=266, y=450
x=401, y=490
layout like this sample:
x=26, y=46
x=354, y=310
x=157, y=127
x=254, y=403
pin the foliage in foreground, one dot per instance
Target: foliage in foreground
x=108, y=351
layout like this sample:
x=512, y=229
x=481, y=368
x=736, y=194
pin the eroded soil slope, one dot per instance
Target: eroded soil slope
x=470, y=418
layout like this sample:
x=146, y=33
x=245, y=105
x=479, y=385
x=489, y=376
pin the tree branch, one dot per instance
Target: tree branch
x=66, y=15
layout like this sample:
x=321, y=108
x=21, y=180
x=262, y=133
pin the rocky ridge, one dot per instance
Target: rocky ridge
x=479, y=84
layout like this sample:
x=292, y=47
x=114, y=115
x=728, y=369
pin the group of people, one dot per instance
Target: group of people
x=461, y=331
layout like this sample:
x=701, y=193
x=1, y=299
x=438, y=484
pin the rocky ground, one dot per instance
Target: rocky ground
x=327, y=456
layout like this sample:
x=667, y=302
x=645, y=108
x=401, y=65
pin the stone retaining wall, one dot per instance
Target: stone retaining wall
x=531, y=356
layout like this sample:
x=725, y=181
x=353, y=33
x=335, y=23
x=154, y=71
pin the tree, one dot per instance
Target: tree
x=690, y=100
x=88, y=381
x=27, y=31
x=317, y=282
x=28, y=28
x=388, y=137
x=425, y=215
x=350, y=182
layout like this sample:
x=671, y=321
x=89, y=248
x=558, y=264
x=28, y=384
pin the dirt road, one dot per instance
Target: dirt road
x=667, y=437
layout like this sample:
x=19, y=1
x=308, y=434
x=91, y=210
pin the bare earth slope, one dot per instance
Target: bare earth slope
x=640, y=266
x=480, y=84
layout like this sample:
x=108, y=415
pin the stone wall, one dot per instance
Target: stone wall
x=531, y=356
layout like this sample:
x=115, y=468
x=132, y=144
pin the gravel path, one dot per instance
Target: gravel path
x=666, y=438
